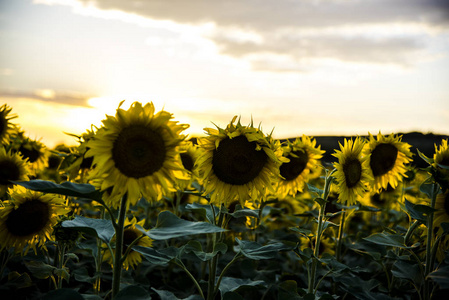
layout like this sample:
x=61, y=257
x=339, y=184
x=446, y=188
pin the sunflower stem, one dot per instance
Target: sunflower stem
x=61, y=254
x=340, y=235
x=319, y=232
x=118, y=263
x=214, y=262
x=428, y=267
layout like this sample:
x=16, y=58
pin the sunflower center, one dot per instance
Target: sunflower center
x=236, y=161
x=138, y=151
x=383, y=159
x=187, y=161
x=129, y=236
x=29, y=218
x=295, y=166
x=8, y=171
x=3, y=124
x=445, y=161
x=32, y=155
x=353, y=172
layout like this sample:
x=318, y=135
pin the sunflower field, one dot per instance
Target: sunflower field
x=139, y=210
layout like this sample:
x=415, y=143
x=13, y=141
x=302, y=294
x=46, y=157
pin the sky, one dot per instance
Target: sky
x=330, y=67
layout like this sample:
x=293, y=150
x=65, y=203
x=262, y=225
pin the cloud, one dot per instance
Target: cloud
x=49, y=95
x=286, y=35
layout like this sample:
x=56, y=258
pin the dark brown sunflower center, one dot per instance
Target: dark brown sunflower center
x=444, y=161
x=29, y=218
x=236, y=161
x=383, y=159
x=53, y=162
x=138, y=151
x=3, y=124
x=129, y=236
x=446, y=203
x=187, y=161
x=295, y=166
x=8, y=171
x=32, y=155
x=353, y=172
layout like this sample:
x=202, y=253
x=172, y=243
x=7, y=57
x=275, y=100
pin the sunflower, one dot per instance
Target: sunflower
x=130, y=234
x=441, y=163
x=6, y=127
x=352, y=174
x=12, y=168
x=81, y=164
x=237, y=162
x=135, y=152
x=27, y=220
x=388, y=159
x=34, y=152
x=189, y=153
x=304, y=156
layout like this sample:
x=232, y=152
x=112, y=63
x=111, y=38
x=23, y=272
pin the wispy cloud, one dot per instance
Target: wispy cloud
x=287, y=35
x=48, y=95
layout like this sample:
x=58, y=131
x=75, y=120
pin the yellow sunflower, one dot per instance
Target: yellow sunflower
x=441, y=163
x=6, y=127
x=304, y=156
x=34, y=152
x=130, y=233
x=238, y=162
x=12, y=168
x=82, y=164
x=27, y=220
x=388, y=159
x=135, y=152
x=352, y=174
x=189, y=153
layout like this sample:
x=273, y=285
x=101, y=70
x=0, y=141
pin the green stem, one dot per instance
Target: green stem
x=118, y=263
x=214, y=262
x=237, y=256
x=410, y=231
x=197, y=285
x=428, y=267
x=99, y=259
x=340, y=234
x=61, y=253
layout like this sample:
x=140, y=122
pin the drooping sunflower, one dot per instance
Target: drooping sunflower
x=27, y=220
x=303, y=155
x=130, y=233
x=388, y=159
x=34, y=152
x=135, y=153
x=188, y=153
x=441, y=164
x=12, y=168
x=352, y=174
x=237, y=162
x=6, y=127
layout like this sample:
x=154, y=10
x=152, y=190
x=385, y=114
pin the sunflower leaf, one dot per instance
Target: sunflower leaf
x=315, y=190
x=229, y=284
x=103, y=229
x=256, y=251
x=387, y=239
x=424, y=157
x=197, y=249
x=67, y=188
x=441, y=276
x=170, y=226
x=157, y=257
x=133, y=292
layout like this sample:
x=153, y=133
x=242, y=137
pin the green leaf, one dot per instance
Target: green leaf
x=157, y=257
x=314, y=189
x=387, y=239
x=229, y=284
x=445, y=227
x=441, y=276
x=133, y=292
x=67, y=188
x=204, y=210
x=245, y=212
x=167, y=295
x=170, y=226
x=407, y=270
x=425, y=158
x=196, y=248
x=101, y=228
x=427, y=188
x=413, y=212
x=302, y=231
x=65, y=293
x=320, y=201
x=256, y=251
x=288, y=290
x=40, y=269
